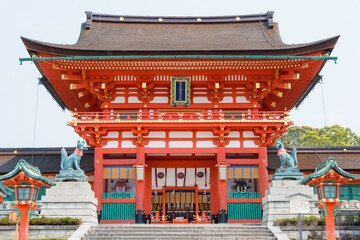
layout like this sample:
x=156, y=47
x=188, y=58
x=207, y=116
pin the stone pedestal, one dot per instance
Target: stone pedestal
x=285, y=198
x=70, y=199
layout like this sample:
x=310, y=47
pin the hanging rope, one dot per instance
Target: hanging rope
x=324, y=109
x=35, y=120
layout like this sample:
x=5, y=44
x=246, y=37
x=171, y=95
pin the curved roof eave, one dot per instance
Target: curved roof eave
x=72, y=50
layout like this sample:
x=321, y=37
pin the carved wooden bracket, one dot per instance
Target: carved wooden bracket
x=140, y=132
x=92, y=135
x=145, y=85
x=221, y=132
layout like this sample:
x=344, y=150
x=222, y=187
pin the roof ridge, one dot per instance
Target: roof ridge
x=98, y=17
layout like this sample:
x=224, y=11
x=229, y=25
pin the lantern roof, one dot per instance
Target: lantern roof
x=5, y=191
x=326, y=167
x=29, y=170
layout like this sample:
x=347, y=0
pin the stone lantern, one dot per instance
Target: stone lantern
x=26, y=180
x=327, y=179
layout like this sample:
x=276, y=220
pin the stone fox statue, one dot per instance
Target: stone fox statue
x=68, y=161
x=291, y=161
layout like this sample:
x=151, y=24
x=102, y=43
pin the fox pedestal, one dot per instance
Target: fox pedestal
x=287, y=198
x=70, y=199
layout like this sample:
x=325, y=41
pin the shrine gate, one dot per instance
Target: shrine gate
x=180, y=110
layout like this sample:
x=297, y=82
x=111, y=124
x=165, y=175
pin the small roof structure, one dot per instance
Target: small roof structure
x=5, y=191
x=329, y=169
x=24, y=171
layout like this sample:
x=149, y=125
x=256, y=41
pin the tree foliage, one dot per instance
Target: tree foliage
x=327, y=136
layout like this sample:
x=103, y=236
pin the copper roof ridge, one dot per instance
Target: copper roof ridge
x=98, y=17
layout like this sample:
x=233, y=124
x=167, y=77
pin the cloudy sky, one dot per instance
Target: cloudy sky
x=27, y=120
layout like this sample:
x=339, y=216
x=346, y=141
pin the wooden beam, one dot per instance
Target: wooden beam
x=283, y=85
x=74, y=86
x=294, y=76
x=276, y=93
x=71, y=77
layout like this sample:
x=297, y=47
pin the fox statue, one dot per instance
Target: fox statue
x=291, y=161
x=68, y=161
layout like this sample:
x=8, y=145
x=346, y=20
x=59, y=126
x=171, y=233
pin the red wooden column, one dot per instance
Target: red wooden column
x=140, y=187
x=148, y=193
x=214, y=191
x=263, y=173
x=222, y=188
x=98, y=176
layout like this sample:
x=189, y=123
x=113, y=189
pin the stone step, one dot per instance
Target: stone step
x=165, y=233
x=179, y=231
x=187, y=238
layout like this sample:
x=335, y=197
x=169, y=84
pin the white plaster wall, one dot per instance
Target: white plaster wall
x=180, y=144
x=112, y=144
x=204, y=135
x=234, y=134
x=155, y=144
x=241, y=99
x=160, y=100
x=180, y=134
x=127, y=135
x=119, y=100
x=233, y=144
x=248, y=134
x=112, y=135
x=227, y=100
x=156, y=135
x=205, y=144
x=133, y=100
x=200, y=100
x=250, y=144
x=127, y=144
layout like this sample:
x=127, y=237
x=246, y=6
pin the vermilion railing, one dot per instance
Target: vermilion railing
x=178, y=116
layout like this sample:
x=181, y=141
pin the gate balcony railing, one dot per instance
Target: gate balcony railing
x=207, y=116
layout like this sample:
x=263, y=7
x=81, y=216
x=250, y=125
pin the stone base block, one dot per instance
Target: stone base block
x=285, y=198
x=70, y=199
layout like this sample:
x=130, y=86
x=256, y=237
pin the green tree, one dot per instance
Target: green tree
x=327, y=136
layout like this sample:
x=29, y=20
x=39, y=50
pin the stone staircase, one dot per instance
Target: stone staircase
x=179, y=231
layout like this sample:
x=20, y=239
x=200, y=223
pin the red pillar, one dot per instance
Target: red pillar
x=330, y=221
x=222, y=188
x=140, y=188
x=263, y=173
x=98, y=176
x=24, y=222
x=214, y=191
x=148, y=193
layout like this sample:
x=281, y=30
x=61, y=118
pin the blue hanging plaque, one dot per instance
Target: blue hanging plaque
x=180, y=91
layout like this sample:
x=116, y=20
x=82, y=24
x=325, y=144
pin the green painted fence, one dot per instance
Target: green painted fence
x=244, y=211
x=118, y=211
x=118, y=195
x=244, y=195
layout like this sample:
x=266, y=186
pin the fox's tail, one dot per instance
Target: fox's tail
x=64, y=156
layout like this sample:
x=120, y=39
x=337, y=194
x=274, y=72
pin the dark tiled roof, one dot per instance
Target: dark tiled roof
x=309, y=158
x=130, y=35
x=48, y=159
